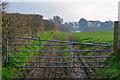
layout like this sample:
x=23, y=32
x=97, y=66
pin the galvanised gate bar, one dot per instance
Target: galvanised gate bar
x=61, y=43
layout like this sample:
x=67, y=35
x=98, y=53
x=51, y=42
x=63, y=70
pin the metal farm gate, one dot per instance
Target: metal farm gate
x=72, y=57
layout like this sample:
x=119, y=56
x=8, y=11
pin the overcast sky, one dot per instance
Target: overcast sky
x=69, y=10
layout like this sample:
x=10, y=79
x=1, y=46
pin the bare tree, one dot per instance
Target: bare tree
x=58, y=21
x=4, y=5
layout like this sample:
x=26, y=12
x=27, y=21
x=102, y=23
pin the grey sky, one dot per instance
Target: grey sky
x=71, y=10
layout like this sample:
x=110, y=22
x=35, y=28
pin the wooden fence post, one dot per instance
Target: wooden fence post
x=119, y=43
x=116, y=38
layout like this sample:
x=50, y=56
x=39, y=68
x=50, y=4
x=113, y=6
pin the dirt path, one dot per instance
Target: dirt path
x=62, y=72
x=41, y=72
x=75, y=72
x=49, y=72
x=79, y=72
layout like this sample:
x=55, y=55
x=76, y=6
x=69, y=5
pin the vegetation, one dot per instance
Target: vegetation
x=9, y=71
x=86, y=37
x=112, y=71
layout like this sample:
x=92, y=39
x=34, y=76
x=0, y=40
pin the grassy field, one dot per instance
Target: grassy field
x=86, y=37
x=94, y=37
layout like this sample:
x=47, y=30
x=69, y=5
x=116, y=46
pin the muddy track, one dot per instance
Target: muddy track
x=49, y=72
x=62, y=72
x=79, y=72
x=42, y=72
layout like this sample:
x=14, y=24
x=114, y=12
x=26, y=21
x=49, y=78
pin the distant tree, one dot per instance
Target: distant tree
x=66, y=24
x=107, y=26
x=58, y=21
x=83, y=25
x=75, y=24
x=48, y=25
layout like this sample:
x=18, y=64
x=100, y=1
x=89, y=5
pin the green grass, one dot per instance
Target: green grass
x=88, y=37
x=112, y=71
x=0, y=69
x=66, y=54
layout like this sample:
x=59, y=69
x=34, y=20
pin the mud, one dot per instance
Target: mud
x=62, y=72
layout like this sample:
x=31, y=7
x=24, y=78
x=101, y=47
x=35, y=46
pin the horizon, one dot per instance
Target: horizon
x=68, y=11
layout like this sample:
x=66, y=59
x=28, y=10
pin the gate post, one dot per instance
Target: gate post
x=7, y=52
x=110, y=52
x=116, y=47
x=39, y=51
x=73, y=54
x=119, y=42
